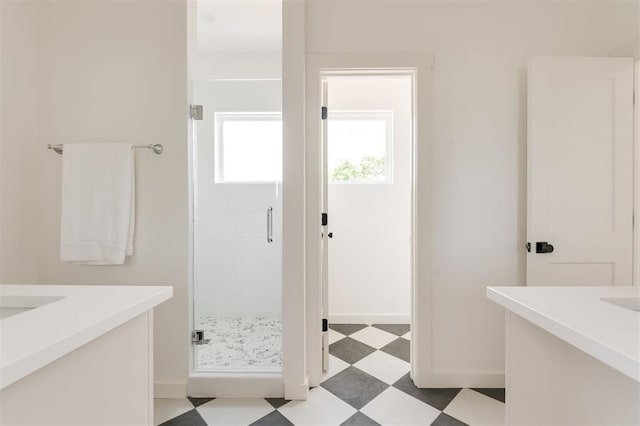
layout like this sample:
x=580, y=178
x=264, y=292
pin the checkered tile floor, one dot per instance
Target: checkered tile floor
x=367, y=384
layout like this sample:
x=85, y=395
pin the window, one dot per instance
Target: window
x=248, y=147
x=360, y=146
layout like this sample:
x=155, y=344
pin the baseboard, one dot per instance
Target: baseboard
x=236, y=385
x=370, y=319
x=172, y=390
x=461, y=380
x=297, y=391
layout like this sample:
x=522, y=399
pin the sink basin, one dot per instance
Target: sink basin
x=13, y=305
x=632, y=303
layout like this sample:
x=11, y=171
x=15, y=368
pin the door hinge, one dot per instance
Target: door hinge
x=325, y=113
x=528, y=247
x=325, y=219
x=196, y=112
x=325, y=324
x=197, y=338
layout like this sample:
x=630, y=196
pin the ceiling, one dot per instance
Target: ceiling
x=239, y=26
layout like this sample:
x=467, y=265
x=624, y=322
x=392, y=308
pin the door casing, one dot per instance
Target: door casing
x=636, y=179
x=419, y=67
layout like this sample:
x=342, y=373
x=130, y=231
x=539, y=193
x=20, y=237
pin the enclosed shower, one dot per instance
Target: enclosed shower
x=236, y=177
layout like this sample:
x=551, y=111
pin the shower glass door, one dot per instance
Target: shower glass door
x=237, y=225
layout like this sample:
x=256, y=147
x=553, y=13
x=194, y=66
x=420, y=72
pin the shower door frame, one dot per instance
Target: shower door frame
x=229, y=382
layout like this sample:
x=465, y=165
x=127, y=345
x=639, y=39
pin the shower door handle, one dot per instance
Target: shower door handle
x=269, y=224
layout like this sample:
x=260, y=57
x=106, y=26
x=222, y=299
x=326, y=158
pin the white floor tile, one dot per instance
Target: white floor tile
x=336, y=365
x=234, y=411
x=475, y=408
x=374, y=337
x=165, y=409
x=334, y=336
x=322, y=408
x=385, y=367
x=407, y=336
x=394, y=407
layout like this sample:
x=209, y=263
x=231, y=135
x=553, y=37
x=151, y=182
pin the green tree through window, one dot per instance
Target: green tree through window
x=369, y=169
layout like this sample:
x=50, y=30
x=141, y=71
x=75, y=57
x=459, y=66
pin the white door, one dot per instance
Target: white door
x=325, y=228
x=580, y=171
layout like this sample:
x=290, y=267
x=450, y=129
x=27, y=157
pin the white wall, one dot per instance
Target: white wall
x=625, y=40
x=479, y=127
x=18, y=137
x=236, y=272
x=295, y=326
x=99, y=71
x=369, y=255
x=238, y=66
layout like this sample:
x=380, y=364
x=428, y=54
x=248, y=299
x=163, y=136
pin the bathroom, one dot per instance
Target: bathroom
x=123, y=71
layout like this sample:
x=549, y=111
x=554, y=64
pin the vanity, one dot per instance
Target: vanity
x=572, y=355
x=77, y=355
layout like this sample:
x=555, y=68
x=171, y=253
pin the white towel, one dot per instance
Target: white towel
x=98, y=208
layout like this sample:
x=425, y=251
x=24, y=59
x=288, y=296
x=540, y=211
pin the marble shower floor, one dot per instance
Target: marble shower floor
x=252, y=343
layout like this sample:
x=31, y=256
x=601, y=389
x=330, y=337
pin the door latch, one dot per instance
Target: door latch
x=544, y=247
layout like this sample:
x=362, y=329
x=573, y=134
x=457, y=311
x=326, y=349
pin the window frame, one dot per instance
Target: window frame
x=219, y=119
x=367, y=115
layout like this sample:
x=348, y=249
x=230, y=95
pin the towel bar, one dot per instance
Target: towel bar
x=157, y=148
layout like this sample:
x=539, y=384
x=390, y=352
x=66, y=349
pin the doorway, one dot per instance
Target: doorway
x=369, y=204
x=319, y=68
x=367, y=142
x=236, y=186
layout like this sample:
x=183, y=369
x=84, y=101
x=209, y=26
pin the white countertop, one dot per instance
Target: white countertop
x=578, y=316
x=32, y=339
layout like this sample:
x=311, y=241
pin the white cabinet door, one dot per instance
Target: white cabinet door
x=580, y=171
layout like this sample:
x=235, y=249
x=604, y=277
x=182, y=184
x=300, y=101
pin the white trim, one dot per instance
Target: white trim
x=369, y=319
x=297, y=391
x=235, y=385
x=171, y=390
x=293, y=201
x=419, y=66
x=179, y=389
x=465, y=379
x=636, y=171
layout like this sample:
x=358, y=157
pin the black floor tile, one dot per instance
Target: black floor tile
x=347, y=329
x=495, y=393
x=272, y=419
x=199, y=401
x=399, y=348
x=359, y=419
x=397, y=329
x=350, y=350
x=436, y=397
x=190, y=418
x=277, y=402
x=446, y=420
x=354, y=386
